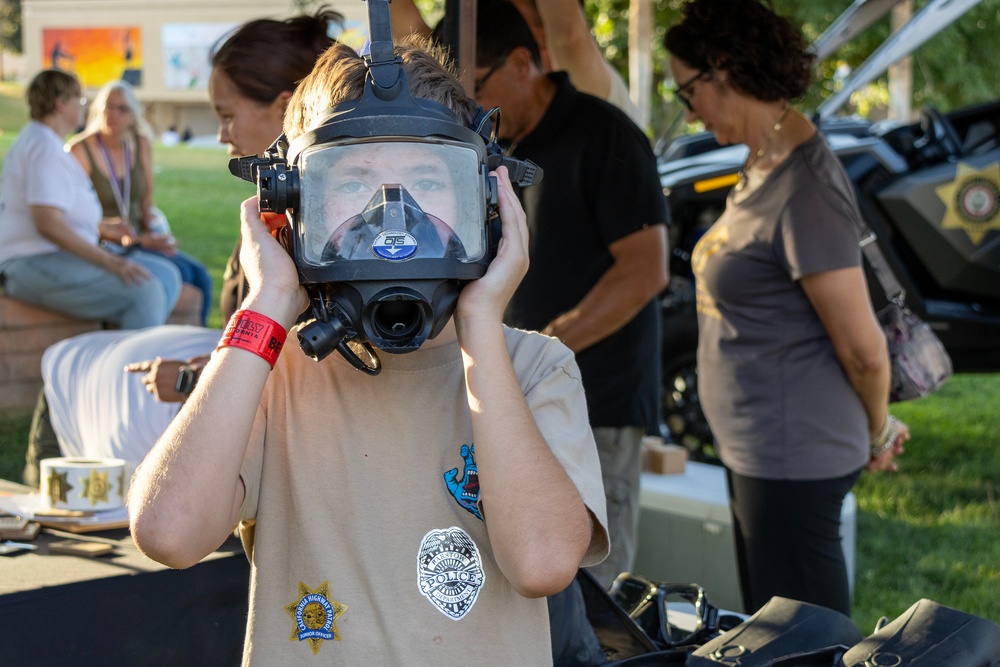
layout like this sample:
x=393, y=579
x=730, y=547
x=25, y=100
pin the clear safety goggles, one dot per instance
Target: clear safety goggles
x=670, y=614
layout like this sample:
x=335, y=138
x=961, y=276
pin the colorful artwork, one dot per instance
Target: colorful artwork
x=355, y=33
x=186, y=51
x=95, y=55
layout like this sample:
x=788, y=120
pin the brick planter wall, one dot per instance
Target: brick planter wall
x=26, y=331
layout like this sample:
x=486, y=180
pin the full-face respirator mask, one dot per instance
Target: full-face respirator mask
x=391, y=211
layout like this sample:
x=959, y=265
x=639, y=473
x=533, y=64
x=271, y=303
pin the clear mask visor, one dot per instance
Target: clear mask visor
x=391, y=201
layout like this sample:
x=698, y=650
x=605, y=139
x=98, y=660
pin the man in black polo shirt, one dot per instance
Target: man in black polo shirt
x=598, y=249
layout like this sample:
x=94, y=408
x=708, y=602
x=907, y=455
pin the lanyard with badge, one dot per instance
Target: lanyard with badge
x=120, y=187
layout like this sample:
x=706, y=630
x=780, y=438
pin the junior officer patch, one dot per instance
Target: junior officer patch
x=315, y=616
x=450, y=571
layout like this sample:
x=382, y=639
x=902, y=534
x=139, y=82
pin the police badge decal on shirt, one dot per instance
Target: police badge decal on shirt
x=315, y=616
x=450, y=571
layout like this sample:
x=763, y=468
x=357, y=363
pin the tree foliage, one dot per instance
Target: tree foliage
x=10, y=25
x=953, y=69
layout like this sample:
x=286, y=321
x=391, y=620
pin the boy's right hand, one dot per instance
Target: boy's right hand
x=270, y=271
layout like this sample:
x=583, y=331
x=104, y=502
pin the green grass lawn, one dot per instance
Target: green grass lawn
x=930, y=531
x=201, y=199
x=13, y=108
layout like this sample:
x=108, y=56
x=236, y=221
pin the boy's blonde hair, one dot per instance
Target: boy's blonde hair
x=339, y=76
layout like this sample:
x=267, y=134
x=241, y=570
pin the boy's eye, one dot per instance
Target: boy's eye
x=427, y=185
x=350, y=187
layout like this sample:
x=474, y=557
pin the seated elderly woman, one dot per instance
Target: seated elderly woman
x=49, y=251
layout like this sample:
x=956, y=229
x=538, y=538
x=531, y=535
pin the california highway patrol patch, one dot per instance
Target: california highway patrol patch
x=449, y=571
x=315, y=616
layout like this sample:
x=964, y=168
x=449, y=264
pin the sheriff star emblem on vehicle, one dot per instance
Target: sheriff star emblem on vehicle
x=315, y=616
x=449, y=571
x=973, y=201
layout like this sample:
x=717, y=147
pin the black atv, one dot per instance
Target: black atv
x=930, y=191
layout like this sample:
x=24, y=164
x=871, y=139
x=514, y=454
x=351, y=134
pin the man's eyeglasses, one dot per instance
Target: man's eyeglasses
x=679, y=90
x=671, y=614
x=481, y=81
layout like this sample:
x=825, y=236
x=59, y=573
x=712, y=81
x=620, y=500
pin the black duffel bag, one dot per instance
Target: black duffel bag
x=929, y=634
x=798, y=634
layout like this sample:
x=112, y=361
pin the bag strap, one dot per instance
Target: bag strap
x=894, y=292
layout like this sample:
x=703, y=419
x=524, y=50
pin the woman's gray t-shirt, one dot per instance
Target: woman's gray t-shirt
x=774, y=393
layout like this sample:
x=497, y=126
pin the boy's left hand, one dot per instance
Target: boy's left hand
x=488, y=296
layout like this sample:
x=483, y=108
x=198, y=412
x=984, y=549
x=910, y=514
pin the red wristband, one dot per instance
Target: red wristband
x=255, y=333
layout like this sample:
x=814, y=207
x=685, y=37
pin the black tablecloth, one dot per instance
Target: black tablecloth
x=122, y=608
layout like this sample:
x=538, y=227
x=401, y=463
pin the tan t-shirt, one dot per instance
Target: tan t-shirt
x=368, y=548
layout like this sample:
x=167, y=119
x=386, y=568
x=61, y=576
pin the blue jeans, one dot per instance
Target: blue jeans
x=161, y=268
x=68, y=284
x=194, y=273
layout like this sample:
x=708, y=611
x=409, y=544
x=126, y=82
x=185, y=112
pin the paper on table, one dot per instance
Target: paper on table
x=30, y=505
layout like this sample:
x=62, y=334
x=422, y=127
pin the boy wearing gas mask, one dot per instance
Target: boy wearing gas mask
x=403, y=517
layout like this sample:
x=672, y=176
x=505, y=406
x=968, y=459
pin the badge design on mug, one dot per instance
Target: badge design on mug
x=450, y=571
x=95, y=487
x=59, y=487
x=315, y=616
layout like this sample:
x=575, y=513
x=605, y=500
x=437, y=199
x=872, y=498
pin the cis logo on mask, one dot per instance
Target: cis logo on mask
x=394, y=245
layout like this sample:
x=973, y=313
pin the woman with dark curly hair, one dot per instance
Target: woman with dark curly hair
x=793, y=369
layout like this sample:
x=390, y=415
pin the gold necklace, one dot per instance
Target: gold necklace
x=741, y=177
